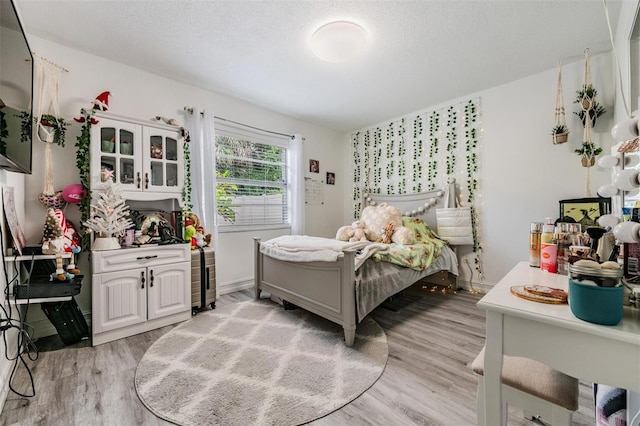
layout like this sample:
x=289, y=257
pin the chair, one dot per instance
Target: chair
x=532, y=386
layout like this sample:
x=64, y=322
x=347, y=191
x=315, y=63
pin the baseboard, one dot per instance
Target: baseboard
x=230, y=287
x=473, y=286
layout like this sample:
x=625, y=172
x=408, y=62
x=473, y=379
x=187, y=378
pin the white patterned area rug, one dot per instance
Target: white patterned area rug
x=253, y=363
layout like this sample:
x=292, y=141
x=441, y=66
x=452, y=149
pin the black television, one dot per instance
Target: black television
x=16, y=92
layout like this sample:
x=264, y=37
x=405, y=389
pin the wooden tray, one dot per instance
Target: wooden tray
x=519, y=291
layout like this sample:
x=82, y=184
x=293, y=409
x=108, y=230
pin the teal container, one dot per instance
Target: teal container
x=600, y=305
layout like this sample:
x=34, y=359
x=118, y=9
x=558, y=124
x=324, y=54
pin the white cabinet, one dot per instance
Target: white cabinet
x=146, y=158
x=139, y=289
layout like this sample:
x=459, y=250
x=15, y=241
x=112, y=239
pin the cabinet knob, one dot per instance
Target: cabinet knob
x=142, y=278
x=146, y=181
x=138, y=179
x=151, y=278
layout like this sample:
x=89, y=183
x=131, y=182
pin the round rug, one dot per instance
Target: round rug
x=254, y=363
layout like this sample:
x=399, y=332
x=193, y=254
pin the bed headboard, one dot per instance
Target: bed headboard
x=422, y=204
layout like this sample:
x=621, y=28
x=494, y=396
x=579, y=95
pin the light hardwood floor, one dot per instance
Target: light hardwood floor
x=427, y=380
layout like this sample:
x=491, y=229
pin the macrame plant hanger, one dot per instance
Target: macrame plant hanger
x=587, y=103
x=48, y=100
x=560, y=131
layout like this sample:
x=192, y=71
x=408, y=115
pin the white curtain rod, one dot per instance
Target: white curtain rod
x=50, y=62
x=190, y=111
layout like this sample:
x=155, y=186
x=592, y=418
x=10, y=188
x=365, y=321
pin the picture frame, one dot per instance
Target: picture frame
x=314, y=166
x=585, y=211
x=331, y=178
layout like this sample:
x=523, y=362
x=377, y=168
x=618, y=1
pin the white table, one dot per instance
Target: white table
x=552, y=335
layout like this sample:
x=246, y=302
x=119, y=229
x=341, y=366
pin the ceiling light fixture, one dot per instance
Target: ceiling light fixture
x=339, y=41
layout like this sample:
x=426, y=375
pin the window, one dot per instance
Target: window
x=251, y=172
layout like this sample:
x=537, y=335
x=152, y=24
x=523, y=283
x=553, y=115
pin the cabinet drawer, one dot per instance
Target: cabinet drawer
x=118, y=260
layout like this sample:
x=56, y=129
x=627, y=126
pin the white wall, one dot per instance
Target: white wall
x=522, y=174
x=143, y=95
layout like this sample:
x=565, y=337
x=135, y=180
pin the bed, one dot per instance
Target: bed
x=334, y=289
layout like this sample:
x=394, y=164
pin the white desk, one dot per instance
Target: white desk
x=552, y=335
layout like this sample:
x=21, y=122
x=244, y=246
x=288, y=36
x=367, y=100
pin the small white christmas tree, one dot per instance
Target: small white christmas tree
x=109, y=213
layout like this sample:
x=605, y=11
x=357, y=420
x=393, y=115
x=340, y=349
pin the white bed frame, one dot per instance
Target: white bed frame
x=328, y=288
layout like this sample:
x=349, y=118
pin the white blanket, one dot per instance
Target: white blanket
x=304, y=248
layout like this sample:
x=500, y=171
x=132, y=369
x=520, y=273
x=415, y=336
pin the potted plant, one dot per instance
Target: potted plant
x=51, y=125
x=560, y=133
x=585, y=96
x=588, y=151
x=596, y=111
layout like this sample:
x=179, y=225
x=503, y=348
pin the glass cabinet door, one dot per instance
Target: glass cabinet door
x=117, y=154
x=163, y=158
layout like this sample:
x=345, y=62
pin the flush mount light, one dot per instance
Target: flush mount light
x=339, y=41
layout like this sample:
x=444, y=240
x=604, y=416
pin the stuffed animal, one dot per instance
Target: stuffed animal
x=358, y=232
x=199, y=239
x=202, y=239
x=189, y=232
x=388, y=233
x=403, y=235
x=351, y=233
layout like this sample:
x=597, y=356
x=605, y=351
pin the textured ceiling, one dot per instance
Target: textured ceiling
x=421, y=53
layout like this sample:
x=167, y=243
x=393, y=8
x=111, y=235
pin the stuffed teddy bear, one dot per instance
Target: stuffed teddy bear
x=358, y=232
x=351, y=233
x=388, y=232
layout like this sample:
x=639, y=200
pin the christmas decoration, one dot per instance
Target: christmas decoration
x=109, y=216
x=52, y=235
x=53, y=242
x=102, y=101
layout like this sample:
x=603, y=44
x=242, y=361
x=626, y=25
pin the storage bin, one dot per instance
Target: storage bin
x=600, y=305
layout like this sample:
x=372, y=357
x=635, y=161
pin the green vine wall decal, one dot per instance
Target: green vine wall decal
x=419, y=154
x=357, y=172
x=434, y=129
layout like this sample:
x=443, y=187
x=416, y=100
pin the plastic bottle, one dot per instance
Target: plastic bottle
x=561, y=238
x=548, y=250
x=534, y=244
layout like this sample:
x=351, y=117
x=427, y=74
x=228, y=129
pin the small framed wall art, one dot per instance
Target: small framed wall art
x=331, y=178
x=314, y=166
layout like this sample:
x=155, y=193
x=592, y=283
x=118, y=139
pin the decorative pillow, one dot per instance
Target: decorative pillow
x=344, y=233
x=403, y=235
x=376, y=218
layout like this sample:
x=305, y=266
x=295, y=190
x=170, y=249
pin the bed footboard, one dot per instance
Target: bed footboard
x=324, y=288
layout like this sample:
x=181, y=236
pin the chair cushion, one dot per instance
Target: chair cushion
x=536, y=379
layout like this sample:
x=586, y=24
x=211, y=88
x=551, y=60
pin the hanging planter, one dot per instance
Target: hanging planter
x=560, y=131
x=52, y=129
x=588, y=161
x=588, y=153
x=590, y=109
x=586, y=96
x=560, y=134
x=594, y=112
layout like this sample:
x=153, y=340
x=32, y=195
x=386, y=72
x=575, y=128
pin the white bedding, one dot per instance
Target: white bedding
x=305, y=248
